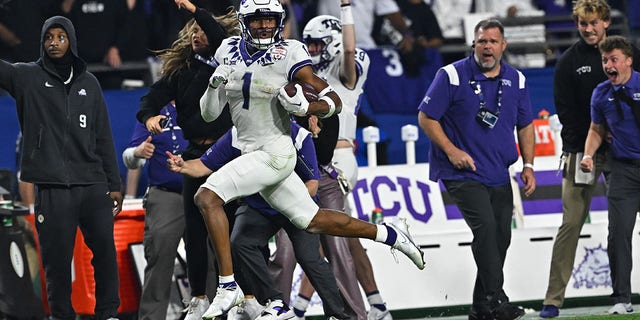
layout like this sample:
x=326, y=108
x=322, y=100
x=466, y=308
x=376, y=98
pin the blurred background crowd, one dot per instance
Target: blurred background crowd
x=407, y=43
x=118, y=37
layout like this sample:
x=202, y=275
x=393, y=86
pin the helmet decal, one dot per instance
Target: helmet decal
x=327, y=30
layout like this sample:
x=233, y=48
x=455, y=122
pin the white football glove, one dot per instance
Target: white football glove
x=297, y=104
x=220, y=76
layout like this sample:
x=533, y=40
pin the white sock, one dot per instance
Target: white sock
x=381, y=233
x=375, y=298
x=226, y=279
x=300, y=306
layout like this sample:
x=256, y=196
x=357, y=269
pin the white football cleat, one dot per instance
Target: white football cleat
x=249, y=309
x=196, y=308
x=225, y=299
x=621, y=308
x=404, y=242
x=377, y=314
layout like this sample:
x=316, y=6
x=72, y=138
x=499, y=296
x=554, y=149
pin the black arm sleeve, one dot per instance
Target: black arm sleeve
x=215, y=33
x=189, y=98
x=160, y=93
x=106, y=149
x=563, y=87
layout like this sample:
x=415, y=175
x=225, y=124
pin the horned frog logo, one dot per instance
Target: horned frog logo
x=594, y=270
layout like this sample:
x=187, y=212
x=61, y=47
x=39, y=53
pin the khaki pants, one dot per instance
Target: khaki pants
x=576, y=201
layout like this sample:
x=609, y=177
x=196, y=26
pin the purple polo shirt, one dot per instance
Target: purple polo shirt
x=625, y=131
x=453, y=99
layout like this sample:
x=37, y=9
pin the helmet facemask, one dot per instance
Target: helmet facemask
x=251, y=10
x=319, y=56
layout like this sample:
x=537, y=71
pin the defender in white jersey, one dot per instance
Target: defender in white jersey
x=251, y=75
x=345, y=68
x=332, y=46
x=335, y=58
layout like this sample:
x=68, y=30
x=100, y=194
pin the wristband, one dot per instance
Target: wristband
x=332, y=107
x=586, y=156
x=346, y=18
x=529, y=165
x=325, y=91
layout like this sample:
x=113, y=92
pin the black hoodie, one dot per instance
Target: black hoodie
x=67, y=136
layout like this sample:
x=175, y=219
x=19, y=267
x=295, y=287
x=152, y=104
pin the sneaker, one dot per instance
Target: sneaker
x=508, y=311
x=549, y=311
x=276, y=310
x=377, y=314
x=249, y=309
x=404, y=242
x=621, y=308
x=225, y=299
x=290, y=314
x=196, y=308
x=477, y=315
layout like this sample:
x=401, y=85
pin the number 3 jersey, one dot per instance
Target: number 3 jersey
x=252, y=88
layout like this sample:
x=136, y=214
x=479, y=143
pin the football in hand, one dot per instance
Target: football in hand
x=309, y=92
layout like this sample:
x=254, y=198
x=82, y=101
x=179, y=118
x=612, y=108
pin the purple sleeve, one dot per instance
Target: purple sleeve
x=596, y=115
x=307, y=166
x=525, y=116
x=140, y=134
x=436, y=101
x=220, y=153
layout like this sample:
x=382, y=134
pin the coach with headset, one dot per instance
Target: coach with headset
x=469, y=113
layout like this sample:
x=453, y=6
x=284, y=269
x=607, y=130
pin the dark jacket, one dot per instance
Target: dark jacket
x=578, y=72
x=67, y=137
x=186, y=87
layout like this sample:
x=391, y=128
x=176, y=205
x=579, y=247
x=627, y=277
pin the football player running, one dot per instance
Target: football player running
x=252, y=71
x=335, y=58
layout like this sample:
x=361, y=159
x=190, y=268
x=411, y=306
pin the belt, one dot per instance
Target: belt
x=163, y=188
x=202, y=141
x=330, y=170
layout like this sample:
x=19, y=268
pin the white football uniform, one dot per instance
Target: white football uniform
x=263, y=127
x=344, y=159
x=350, y=97
x=365, y=11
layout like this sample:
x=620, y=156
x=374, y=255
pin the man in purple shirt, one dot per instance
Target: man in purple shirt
x=615, y=108
x=164, y=214
x=469, y=113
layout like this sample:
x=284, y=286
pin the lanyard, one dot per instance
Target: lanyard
x=477, y=89
x=174, y=139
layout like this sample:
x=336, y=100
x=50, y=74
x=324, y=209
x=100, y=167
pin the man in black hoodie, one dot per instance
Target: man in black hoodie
x=70, y=156
x=578, y=71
